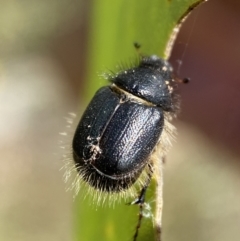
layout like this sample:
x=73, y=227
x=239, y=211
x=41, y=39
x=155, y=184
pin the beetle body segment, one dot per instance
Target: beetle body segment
x=147, y=81
x=114, y=139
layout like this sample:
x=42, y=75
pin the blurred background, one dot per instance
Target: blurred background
x=42, y=67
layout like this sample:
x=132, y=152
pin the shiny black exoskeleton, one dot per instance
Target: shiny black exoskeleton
x=122, y=125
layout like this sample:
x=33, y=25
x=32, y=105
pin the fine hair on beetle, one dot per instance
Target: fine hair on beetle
x=124, y=133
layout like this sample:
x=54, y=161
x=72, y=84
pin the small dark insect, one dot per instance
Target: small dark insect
x=125, y=131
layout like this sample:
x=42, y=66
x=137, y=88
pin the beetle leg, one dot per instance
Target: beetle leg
x=141, y=202
x=141, y=198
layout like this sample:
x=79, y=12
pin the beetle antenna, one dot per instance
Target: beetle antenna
x=182, y=81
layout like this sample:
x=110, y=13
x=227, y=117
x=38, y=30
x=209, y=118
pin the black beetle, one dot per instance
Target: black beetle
x=122, y=127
